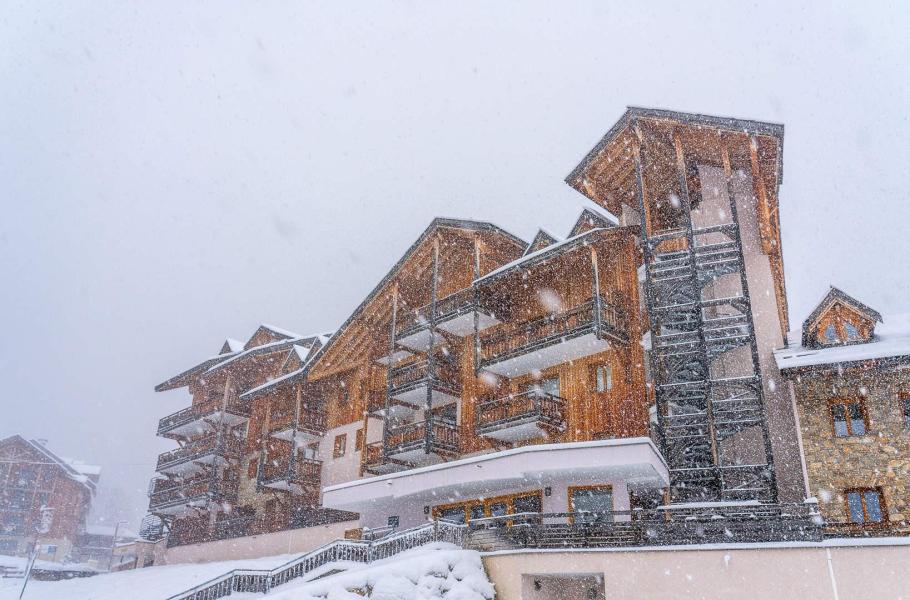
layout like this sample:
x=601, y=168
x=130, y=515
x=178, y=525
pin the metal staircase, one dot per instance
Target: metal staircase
x=695, y=336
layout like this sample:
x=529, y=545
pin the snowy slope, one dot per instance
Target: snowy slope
x=153, y=583
x=436, y=571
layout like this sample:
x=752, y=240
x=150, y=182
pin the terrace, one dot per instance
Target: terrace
x=519, y=417
x=213, y=449
x=200, y=418
x=291, y=473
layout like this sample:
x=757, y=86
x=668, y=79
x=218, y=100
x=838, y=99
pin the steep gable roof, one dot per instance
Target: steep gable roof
x=437, y=224
x=588, y=220
x=85, y=475
x=540, y=241
x=231, y=345
x=833, y=297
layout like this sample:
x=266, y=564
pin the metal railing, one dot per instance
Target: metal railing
x=225, y=445
x=531, y=404
x=300, y=470
x=412, y=321
x=443, y=371
x=510, y=339
x=200, y=411
x=170, y=492
x=310, y=420
x=261, y=581
x=443, y=435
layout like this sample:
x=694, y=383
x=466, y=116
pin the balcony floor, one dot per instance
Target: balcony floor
x=302, y=437
x=195, y=465
x=420, y=340
x=417, y=396
x=202, y=424
x=520, y=431
x=182, y=506
x=548, y=356
x=417, y=457
x=463, y=325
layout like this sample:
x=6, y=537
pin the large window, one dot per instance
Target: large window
x=866, y=506
x=849, y=417
x=591, y=504
x=526, y=502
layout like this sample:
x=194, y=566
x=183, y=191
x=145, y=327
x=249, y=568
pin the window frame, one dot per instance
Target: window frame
x=846, y=402
x=862, y=491
x=359, y=437
x=579, y=488
x=340, y=445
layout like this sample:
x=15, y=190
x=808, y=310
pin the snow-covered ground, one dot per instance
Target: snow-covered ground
x=433, y=572
x=153, y=583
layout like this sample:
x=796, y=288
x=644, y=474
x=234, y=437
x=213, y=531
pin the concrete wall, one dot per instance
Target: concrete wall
x=855, y=572
x=294, y=541
x=344, y=468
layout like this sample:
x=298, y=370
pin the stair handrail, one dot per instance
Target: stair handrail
x=269, y=578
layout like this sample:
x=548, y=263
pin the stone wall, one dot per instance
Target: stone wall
x=881, y=458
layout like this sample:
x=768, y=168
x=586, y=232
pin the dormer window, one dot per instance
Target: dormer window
x=839, y=319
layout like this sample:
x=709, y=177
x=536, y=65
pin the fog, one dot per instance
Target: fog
x=175, y=173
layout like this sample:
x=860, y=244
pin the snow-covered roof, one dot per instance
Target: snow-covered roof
x=530, y=258
x=234, y=345
x=81, y=467
x=892, y=340
x=87, y=480
x=280, y=331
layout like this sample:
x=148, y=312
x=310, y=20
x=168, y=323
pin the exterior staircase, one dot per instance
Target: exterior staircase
x=261, y=581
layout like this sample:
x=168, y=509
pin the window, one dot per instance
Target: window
x=851, y=331
x=51, y=550
x=591, y=504
x=341, y=442
x=830, y=334
x=603, y=378
x=252, y=469
x=358, y=440
x=849, y=418
x=393, y=521
x=549, y=385
x=865, y=506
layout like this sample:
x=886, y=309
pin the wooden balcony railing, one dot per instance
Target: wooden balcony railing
x=509, y=340
x=300, y=470
x=224, y=445
x=444, y=371
x=172, y=492
x=443, y=436
x=200, y=411
x=372, y=454
x=530, y=405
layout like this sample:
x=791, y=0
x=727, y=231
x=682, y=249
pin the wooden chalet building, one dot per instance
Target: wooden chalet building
x=847, y=368
x=44, y=499
x=623, y=367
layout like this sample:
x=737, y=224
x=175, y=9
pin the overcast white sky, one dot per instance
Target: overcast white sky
x=172, y=173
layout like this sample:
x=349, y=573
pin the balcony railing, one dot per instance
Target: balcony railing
x=510, y=340
x=225, y=446
x=299, y=471
x=167, y=493
x=404, y=438
x=516, y=409
x=415, y=374
x=198, y=412
x=453, y=305
x=310, y=420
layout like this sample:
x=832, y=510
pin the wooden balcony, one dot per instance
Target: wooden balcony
x=376, y=463
x=198, y=419
x=213, y=449
x=304, y=429
x=174, y=496
x=514, y=349
x=376, y=405
x=417, y=444
x=409, y=382
x=520, y=417
x=454, y=315
x=294, y=474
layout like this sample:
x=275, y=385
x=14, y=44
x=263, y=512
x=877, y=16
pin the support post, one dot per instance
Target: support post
x=431, y=362
x=595, y=294
x=388, y=381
